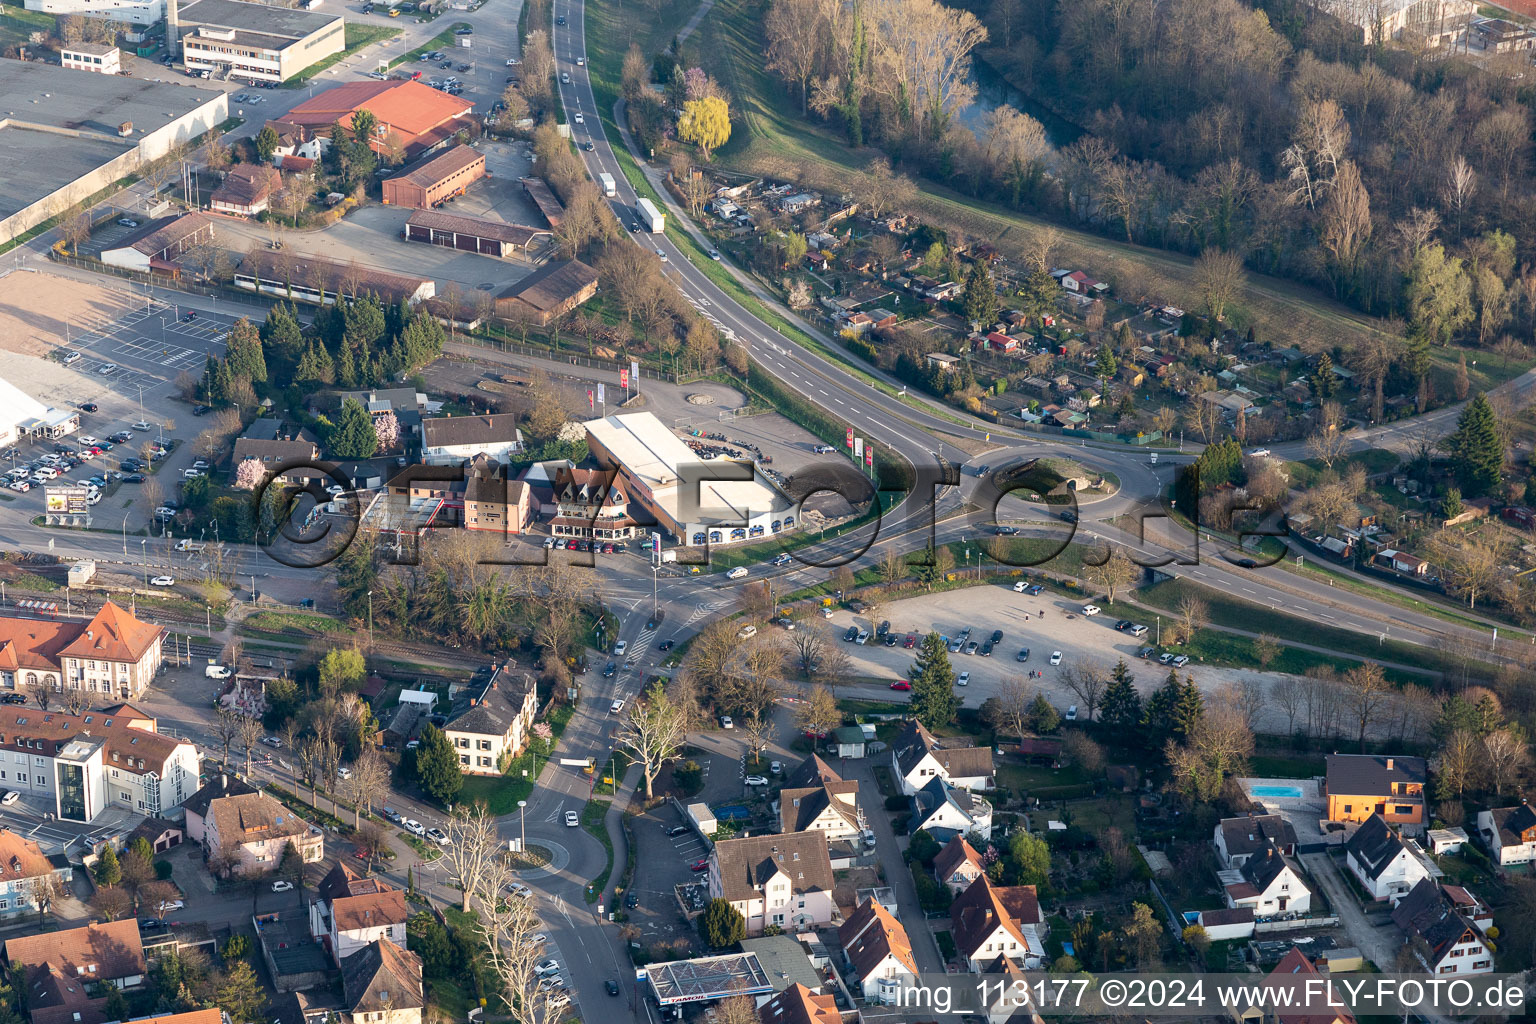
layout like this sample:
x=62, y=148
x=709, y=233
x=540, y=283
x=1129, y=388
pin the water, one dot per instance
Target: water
x=992, y=91
x=1276, y=792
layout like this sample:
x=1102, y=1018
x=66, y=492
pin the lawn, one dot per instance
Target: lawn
x=358, y=35
x=442, y=40
x=1032, y=777
x=1305, y=474
x=1282, y=766
x=592, y=819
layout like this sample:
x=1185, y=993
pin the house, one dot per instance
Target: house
x=783, y=880
x=411, y=114
x=490, y=724
x=917, y=758
x=1232, y=923
x=1269, y=884
x=112, y=655
x=159, y=244
x=946, y=811
x=98, y=57
x=246, y=831
x=431, y=181
x=298, y=453
x=453, y=440
x=1296, y=982
x=988, y=922
x=592, y=504
x=23, y=869
x=883, y=318
x=1510, y=833
x=1451, y=944
x=958, y=865
x=548, y=293
x=381, y=984
x=68, y=972
x=1401, y=561
x=1499, y=35
x=159, y=833
x=1381, y=861
x=1361, y=785
x=1080, y=283
x=350, y=912
x=949, y=364
x=492, y=502
x=828, y=805
x=878, y=952
x=798, y=1005
x=1237, y=839
x=298, y=140
x=246, y=191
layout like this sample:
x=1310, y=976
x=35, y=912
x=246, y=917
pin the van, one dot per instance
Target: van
x=1152, y=458
x=216, y=672
x=45, y=473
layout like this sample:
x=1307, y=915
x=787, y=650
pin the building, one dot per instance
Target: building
x=476, y=234
x=1361, y=785
x=1237, y=839
x=494, y=503
x=489, y=724
x=23, y=869
x=1296, y=982
x=251, y=42
x=22, y=416
x=1452, y=945
x=381, y=984
x=159, y=244
x=113, y=654
x=453, y=440
x=1500, y=35
x=590, y=504
x=958, y=865
x=783, y=880
x=552, y=291
x=1220, y=925
x=917, y=758
x=298, y=140
x=411, y=115
x=720, y=501
x=945, y=811
x=351, y=912
x=279, y=451
x=830, y=805
x=705, y=979
x=1381, y=861
x=1401, y=561
x=947, y=363
x=98, y=57
x=1268, y=883
x=543, y=197
x=435, y=178
x=1510, y=833
x=68, y=972
x=249, y=830
x=247, y=189
x=1430, y=22
x=878, y=952
x=799, y=1005
x=129, y=12
x=317, y=281
x=989, y=922
x=65, y=136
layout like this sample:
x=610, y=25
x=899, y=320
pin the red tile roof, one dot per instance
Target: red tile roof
x=34, y=643
x=872, y=934
x=114, y=635
x=408, y=109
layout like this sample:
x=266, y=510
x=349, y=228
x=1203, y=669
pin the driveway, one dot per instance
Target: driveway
x=1376, y=943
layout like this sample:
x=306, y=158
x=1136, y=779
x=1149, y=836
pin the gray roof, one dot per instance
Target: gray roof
x=927, y=801
x=222, y=785
x=262, y=19
x=501, y=231
x=1264, y=867
x=1374, y=845
x=494, y=699
x=552, y=284
x=1372, y=774
x=959, y=762
x=785, y=961
x=445, y=431
x=1236, y=915
x=1511, y=822
x=264, y=429
x=748, y=863
x=1427, y=911
x=1251, y=834
x=813, y=771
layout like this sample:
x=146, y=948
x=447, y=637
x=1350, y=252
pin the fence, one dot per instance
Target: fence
x=590, y=362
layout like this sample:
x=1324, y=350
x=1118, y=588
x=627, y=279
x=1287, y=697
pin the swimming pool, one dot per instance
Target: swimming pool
x=1277, y=792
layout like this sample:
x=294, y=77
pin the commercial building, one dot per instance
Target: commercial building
x=22, y=416
x=434, y=179
x=113, y=654
x=317, y=281
x=97, y=57
x=102, y=954
x=65, y=136
x=721, y=501
x=134, y=12
x=159, y=244
x=491, y=720
x=23, y=869
x=589, y=506
x=475, y=234
x=246, y=191
x=419, y=117
x=252, y=42
x=553, y=290
x=1429, y=22
x=277, y=452
x=248, y=830
x=705, y=979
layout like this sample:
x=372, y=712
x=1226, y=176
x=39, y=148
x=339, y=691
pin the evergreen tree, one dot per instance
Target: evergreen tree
x=212, y=387
x=980, y=299
x=266, y=143
x=1324, y=382
x=1187, y=710
x=243, y=352
x=1158, y=717
x=108, y=870
x=353, y=436
x=315, y=367
x=346, y=367
x=282, y=336
x=1451, y=505
x=1105, y=368
x=1042, y=715
x=933, y=684
x=1125, y=340
x=1477, y=450
x=437, y=765
x=365, y=323
x=721, y=924
x=1120, y=711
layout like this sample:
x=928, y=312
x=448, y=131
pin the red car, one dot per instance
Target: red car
x=607, y=549
x=699, y=865
x=570, y=545
x=901, y=684
x=910, y=642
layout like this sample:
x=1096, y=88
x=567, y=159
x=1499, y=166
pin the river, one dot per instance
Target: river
x=992, y=91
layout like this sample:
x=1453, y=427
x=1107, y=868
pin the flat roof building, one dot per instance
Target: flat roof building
x=449, y=173
x=705, y=979
x=316, y=281
x=253, y=42
x=97, y=57
x=137, y=12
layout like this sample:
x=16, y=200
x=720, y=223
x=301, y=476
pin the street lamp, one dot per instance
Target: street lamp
x=208, y=618
x=144, y=559
x=370, y=620
x=522, y=832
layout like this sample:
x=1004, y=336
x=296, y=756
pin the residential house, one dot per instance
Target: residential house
x=351, y=912
x=251, y=831
x=1401, y=561
x=298, y=454
x=1361, y=785
x=159, y=833
x=1451, y=944
x=68, y=973
x=1237, y=839
x=798, y=1005
x=917, y=758
x=23, y=868
x=958, y=865
x=1510, y=833
x=298, y=140
x=114, y=654
x=1080, y=283
x=878, y=952
x=947, y=363
x=988, y=921
x=492, y=720
x=945, y=811
x=783, y=880
x=381, y=984
x=452, y=440
x=492, y=502
x=247, y=190
x=1381, y=861
x=1297, y=982
x=826, y=805
x=883, y=319
x=1268, y=883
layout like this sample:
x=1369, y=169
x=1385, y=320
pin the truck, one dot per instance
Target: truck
x=651, y=217
x=610, y=189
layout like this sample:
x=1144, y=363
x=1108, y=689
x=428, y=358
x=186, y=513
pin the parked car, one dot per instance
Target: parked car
x=755, y=780
x=438, y=836
x=10, y=797
x=414, y=827
x=1071, y=714
x=1055, y=657
x=678, y=830
x=620, y=647
x=547, y=967
x=1091, y=609
x=910, y=642
x=282, y=885
x=851, y=635
x=699, y=865
x=726, y=723
x=128, y=222
x=163, y=581
x=964, y=679
x=1023, y=654
x=901, y=684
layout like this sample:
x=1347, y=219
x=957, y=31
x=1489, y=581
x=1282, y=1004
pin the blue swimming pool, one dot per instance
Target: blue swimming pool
x=1278, y=792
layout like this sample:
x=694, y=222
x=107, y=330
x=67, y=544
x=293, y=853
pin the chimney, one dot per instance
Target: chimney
x=172, y=28
x=223, y=779
x=1389, y=764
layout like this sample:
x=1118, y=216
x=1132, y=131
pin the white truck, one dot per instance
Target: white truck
x=653, y=219
x=610, y=188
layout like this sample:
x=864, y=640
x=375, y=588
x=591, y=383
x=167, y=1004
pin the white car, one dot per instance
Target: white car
x=217, y=672
x=281, y=885
x=738, y=573
x=188, y=545
x=343, y=772
x=273, y=741
x=620, y=647
x=21, y=486
x=755, y=780
x=1091, y=609
x=414, y=827
x=572, y=819
x=1055, y=657
x=73, y=357
x=581, y=62
x=520, y=890
x=438, y=836
x=163, y=581
x=726, y=723
x=862, y=638
x=10, y=797
x=661, y=255
x=107, y=368
x=512, y=62
x=537, y=939
x=579, y=119
x=964, y=679
x=1260, y=453
x=192, y=474
x=547, y=967
x=616, y=706
x=172, y=905
x=1071, y=714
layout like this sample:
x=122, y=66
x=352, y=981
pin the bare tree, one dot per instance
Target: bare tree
x=41, y=691
x=1505, y=757
x=1460, y=763
x=1365, y=691
x=1287, y=694
x=1219, y=276
x=1246, y=696
x=226, y=727
x=370, y=778
x=1116, y=572
x=1087, y=683
x=654, y=733
x=470, y=852
x=1218, y=747
x=1193, y=614
x=1460, y=187
x=511, y=950
x=1009, y=706
x=42, y=891
x=818, y=713
x=249, y=731
x=1471, y=565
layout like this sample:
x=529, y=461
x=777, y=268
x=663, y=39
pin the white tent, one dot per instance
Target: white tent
x=18, y=412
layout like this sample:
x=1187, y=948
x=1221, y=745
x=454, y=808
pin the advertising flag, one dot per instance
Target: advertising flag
x=858, y=448
x=634, y=372
x=591, y=404
x=623, y=378
x=850, y=437
x=869, y=456
x=601, y=397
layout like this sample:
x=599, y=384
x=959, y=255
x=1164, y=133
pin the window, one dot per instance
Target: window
x=1402, y=809
x=20, y=776
x=1349, y=808
x=463, y=759
x=1477, y=966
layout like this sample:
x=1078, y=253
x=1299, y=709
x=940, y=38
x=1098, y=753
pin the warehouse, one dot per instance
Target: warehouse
x=252, y=42
x=160, y=243
x=65, y=136
x=135, y=12
x=417, y=117
x=316, y=281
x=553, y=290
x=545, y=200
x=475, y=234
x=449, y=173
x=97, y=57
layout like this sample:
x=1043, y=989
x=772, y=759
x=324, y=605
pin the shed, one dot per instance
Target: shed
x=850, y=741
x=703, y=818
x=1446, y=840
x=424, y=698
x=1346, y=959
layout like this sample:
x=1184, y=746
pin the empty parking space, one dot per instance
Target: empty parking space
x=149, y=346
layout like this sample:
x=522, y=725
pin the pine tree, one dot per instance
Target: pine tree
x=1105, y=368
x=211, y=389
x=353, y=436
x=1451, y=505
x=437, y=765
x=1120, y=711
x=346, y=367
x=1324, y=382
x=1187, y=710
x=933, y=684
x=108, y=870
x=980, y=299
x=1158, y=718
x=315, y=367
x=1477, y=450
x=282, y=336
x=243, y=352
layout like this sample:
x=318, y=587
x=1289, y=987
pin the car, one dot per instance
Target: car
x=1165, y=658
x=755, y=780
x=1180, y=661
x=522, y=892
x=537, y=939
x=714, y=254
x=726, y=723
x=986, y=649
x=609, y=669
x=188, y=545
x=217, y=672
x=20, y=486
x=438, y=836
x=620, y=647
x=851, y=635
x=165, y=512
x=1137, y=629
x=1068, y=516
x=553, y=984
x=1124, y=624
x=955, y=646
x=547, y=967
x=1146, y=652
x=890, y=639
x=560, y=20
x=10, y=797
x=964, y=679
x=972, y=647
x=570, y=545
x=1023, y=655
x=901, y=684
x=699, y=865
x=201, y=410
x=163, y=581
x=1091, y=609
x=1071, y=714
x=677, y=830
x=616, y=706
x=128, y=222
x=782, y=558
x=192, y=474
x=661, y=255
x=107, y=368
x=997, y=636
x=823, y=449
x=910, y=642
x=776, y=768
x=862, y=638
x=565, y=78
x=414, y=827
x=884, y=628
x=666, y=645
x=73, y=357
x=579, y=119
x=189, y=316
x=124, y=436
x=1006, y=531
x=746, y=632
x=272, y=741
x=1259, y=453
x=512, y=62
x=588, y=147
x=150, y=924
x=1055, y=657
x=172, y=905
x=611, y=986
x=581, y=62
x=282, y=885
x=343, y=772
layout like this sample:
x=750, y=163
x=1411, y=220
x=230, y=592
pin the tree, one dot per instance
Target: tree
x=1365, y=691
x=1505, y=757
x=1083, y=752
x=108, y=872
x=370, y=780
x=111, y=902
x=1194, y=613
x=1120, y=711
x=353, y=436
x=512, y=948
x=1007, y=709
x=1086, y=682
x=1032, y=857
x=1477, y=448
x=42, y=891
x=1219, y=276
x=250, y=474
x=240, y=994
x=386, y=429
x=41, y=691
x=341, y=668
x=933, y=684
x=1043, y=716
x=1218, y=747
x=1471, y=565
x=437, y=765
x=706, y=123
x=266, y=143
x=721, y=925
x=654, y=733
x=1116, y=571
x=1439, y=296
x=1327, y=443
x=980, y=296
x=818, y=713
x=471, y=849
x=1460, y=764
x=364, y=123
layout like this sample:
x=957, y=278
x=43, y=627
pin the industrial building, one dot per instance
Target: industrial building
x=136, y=12
x=551, y=291
x=317, y=281
x=420, y=117
x=543, y=197
x=159, y=244
x=720, y=501
x=65, y=136
x=97, y=57
x=475, y=234
x=251, y=42
x=428, y=183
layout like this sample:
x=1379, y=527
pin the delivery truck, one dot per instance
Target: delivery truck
x=653, y=219
x=609, y=188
